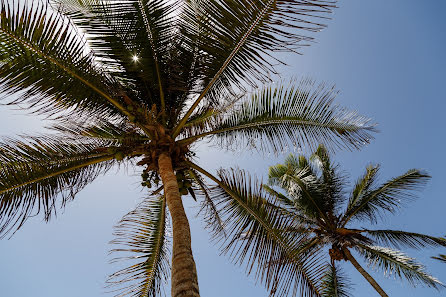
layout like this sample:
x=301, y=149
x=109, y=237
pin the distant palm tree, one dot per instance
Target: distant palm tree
x=143, y=81
x=312, y=209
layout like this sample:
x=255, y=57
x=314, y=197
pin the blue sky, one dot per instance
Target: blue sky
x=386, y=57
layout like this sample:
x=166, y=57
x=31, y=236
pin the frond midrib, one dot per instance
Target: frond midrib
x=385, y=257
x=236, y=49
x=262, y=123
x=67, y=70
x=159, y=242
x=97, y=159
x=381, y=190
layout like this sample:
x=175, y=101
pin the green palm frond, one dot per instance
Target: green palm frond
x=281, y=198
x=409, y=239
x=138, y=42
x=387, y=197
x=49, y=67
x=282, y=263
x=395, y=263
x=335, y=283
x=277, y=118
x=235, y=40
x=204, y=117
x=122, y=132
x=363, y=186
x=441, y=258
x=141, y=239
x=287, y=206
x=298, y=180
x=39, y=173
x=292, y=165
x=208, y=207
x=331, y=178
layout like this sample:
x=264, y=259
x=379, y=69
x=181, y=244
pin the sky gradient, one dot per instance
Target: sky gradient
x=386, y=57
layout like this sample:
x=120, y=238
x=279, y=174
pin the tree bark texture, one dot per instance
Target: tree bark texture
x=184, y=273
x=364, y=273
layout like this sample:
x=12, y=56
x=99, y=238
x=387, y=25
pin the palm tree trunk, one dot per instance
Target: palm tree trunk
x=184, y=273
x=364, y=273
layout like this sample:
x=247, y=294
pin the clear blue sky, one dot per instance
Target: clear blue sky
x=388, y=60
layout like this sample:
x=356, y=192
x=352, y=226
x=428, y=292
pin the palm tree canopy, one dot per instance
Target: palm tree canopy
x=304, y=208
x=126, y=81
x=315, y=190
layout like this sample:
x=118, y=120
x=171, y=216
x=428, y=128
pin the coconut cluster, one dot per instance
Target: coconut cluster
x=184, y=183
x=150, y=178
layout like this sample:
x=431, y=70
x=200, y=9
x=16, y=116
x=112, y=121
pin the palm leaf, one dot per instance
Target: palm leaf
x=387, y=197
x=120, y=132
x=288, y=207
x=400, y=239
x=332, y=180
x=441, y=258
x=49, y=67
x=41, y=172
x=302, y=115
x=335, y=283
x=399, y=265
x=292, y=165
x=203, y=119
x=283, y=262
x=280, y=198
x=134, y=39
x=235, y=39
x=141, y=239
x=298, y=180
x=362, y=187
x=208, y=207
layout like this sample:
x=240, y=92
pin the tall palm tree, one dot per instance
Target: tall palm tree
x=140, y=82
x=309, y=199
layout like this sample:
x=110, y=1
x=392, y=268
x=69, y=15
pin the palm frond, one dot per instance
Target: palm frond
x=236, y=39
x=39, y=173
x=140, y=42
x=332, y=180
x=288, y=207
x=282, y=199
x=208, y=207
x=49, y=67
x=399, y=265
x=335, y=283
x=297, y=179
x=203, y=119
x=141, y=239
x=400, y=239
x=441, y=258
x=281, y=261
x=387, y=197
x=122, y=132
x=362, y=187
x=292, y=165
x=277, y=118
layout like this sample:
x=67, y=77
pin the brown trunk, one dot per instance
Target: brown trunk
x=184, y=273
x=364, y=273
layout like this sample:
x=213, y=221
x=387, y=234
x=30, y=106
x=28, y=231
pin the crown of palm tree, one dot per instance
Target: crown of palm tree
x=307, y=204
x=144, y=80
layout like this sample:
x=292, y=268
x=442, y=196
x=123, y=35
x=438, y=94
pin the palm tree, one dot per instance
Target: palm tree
x=140, y=82
x=308, y=202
